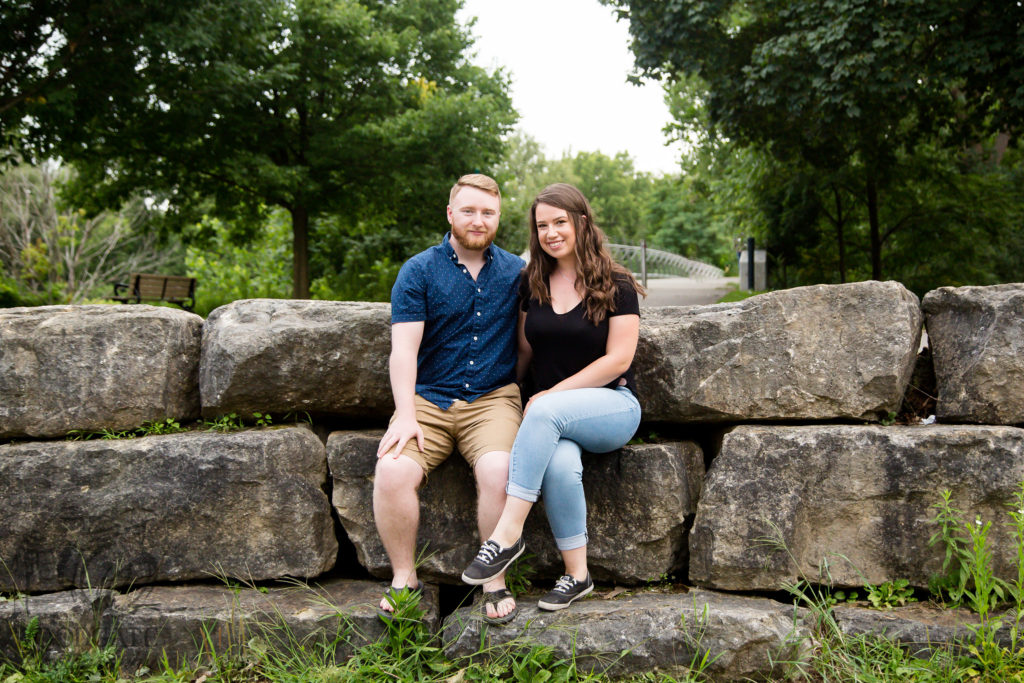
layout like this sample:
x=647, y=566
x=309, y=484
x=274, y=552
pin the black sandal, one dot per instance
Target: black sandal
x=392, y=595
x=493, y=598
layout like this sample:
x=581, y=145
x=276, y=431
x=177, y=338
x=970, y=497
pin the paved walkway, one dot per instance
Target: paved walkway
x=684, y=291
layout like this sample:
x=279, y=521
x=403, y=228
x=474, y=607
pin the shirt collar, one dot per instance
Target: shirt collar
x=449, y=250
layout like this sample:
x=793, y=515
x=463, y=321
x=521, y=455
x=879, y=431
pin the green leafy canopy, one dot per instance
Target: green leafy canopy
x=341, y=107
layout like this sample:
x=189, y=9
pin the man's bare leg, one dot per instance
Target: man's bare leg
x=396, y=510
x=491, y=472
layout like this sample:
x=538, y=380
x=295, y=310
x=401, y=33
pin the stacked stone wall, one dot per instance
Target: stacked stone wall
x=780, y=458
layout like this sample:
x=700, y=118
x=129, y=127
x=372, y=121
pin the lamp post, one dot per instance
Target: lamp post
x=750, y=263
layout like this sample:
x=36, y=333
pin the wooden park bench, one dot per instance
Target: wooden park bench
x=175, y=289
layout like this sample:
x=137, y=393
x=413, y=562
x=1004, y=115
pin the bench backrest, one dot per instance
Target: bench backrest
x=162, y=286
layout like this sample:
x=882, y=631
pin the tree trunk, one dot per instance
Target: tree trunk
x=876, y=238
x=300, y=253
x=839, y=235
x=999, y=148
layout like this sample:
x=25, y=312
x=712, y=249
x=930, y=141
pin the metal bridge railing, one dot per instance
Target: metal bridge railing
x=654, y=263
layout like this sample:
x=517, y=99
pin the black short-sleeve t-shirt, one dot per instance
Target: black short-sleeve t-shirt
x=563, y=344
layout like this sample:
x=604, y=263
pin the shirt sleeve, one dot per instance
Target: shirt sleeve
x=409, y=295
x=627, y=301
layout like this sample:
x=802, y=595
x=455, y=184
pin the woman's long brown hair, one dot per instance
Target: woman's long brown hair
x=594, y=265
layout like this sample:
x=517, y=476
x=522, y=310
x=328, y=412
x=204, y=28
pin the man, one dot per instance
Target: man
x=452, y=367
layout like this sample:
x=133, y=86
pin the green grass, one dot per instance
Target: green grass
x=408, y=651
x=740, y=295
x=270, y=653
x=967, y=579
x=230, y=422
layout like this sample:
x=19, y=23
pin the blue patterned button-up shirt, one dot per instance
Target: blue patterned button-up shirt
x=469, y=333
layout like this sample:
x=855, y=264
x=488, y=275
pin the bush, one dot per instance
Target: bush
x=228, y=268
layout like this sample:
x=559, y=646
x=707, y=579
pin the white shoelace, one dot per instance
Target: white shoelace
x=488, y=551
x=564, y=584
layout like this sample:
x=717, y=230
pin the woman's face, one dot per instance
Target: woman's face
x=555, y=231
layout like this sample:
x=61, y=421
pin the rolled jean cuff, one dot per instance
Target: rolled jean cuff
x=519, y=492
x=573, y=542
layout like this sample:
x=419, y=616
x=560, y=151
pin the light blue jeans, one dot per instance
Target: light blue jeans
x=546, y=456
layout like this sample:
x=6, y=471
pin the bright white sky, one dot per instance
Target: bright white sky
x=568, y=60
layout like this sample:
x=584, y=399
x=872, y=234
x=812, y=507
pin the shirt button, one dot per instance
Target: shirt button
x=474, y=337
x=470, y=362
x=479, y=290
x=467, y=386
x=478, y=312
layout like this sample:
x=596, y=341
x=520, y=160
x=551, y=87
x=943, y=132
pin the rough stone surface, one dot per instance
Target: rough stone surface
x=977, y=340
x=179, y=620
x=89, y=368
x=809, y=353
x=640, y=501
x=68, y=622
x=280, y=355
x=857, y=497
x=646, y=632
x=164, y=508
x=919, y=628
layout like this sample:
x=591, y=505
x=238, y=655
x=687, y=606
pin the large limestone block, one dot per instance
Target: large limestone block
x=858, y=498
x=640, y=502
x=280, y=355
x=188, y=621
x=809, y=353
x=920, y=628
x=67, y=623
x=636, y=634
x=977, y=340
x=65, y=368
x=164, y=508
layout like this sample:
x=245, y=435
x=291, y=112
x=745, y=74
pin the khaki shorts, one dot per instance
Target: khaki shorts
x=487, y=424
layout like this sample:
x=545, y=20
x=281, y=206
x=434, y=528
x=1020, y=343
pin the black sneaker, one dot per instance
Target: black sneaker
x=565, y=591
x=491, y=561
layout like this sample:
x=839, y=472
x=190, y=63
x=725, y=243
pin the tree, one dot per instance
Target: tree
x=618, y=193
x=51, y=253
x=47, y=47
x=522, y=174
x=681, y=215
x=682, y=218
x=365, y=110
x=954, y=227
x=839, y=85
x=228, y=270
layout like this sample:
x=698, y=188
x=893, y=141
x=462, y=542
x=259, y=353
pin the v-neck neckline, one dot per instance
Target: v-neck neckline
x=578, y=303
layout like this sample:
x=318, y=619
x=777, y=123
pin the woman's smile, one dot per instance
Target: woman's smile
x=555, y=231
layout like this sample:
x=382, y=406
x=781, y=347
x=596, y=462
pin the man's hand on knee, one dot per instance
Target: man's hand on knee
x=399, y=433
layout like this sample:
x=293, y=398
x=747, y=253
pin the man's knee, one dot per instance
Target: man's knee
x=491, y=471
x=396, y=475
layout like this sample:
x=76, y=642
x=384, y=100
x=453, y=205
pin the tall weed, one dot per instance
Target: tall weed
x=968, y=578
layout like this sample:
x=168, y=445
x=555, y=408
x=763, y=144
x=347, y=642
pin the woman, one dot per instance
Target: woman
x=578, y=332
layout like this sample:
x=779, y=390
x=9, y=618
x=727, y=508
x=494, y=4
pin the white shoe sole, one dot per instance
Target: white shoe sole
x=554, y=607
x=479, y=582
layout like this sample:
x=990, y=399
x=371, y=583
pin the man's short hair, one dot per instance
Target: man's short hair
x=477, y=180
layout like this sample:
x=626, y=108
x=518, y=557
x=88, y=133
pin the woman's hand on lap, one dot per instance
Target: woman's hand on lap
x=534, y=398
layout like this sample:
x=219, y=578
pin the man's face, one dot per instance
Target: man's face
x=473, y=215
